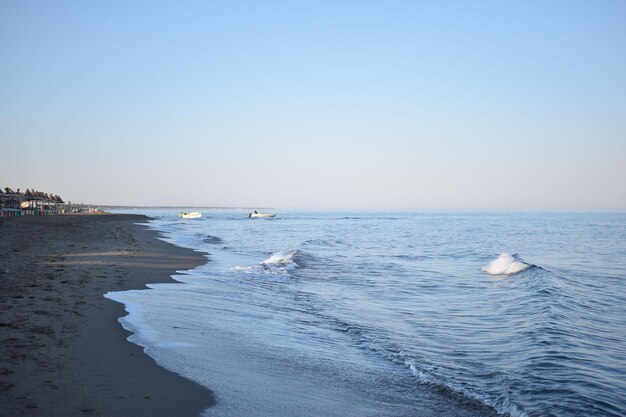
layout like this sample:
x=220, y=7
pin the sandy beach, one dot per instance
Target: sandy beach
x=63, y=352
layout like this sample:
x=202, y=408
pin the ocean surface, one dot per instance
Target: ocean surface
x=318, y=313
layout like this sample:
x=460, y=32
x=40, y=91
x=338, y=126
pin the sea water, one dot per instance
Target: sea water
x=394, y=314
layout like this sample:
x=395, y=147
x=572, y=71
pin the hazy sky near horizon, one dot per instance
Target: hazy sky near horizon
x=321, y=104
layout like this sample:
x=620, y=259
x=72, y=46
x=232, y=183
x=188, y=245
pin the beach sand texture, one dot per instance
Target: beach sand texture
x=62, y=350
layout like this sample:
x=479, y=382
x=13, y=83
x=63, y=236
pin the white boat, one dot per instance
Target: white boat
x=190, y=215
x=255, y=215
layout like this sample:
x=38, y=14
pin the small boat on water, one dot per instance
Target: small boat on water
x=255, y=215
x=190, y=215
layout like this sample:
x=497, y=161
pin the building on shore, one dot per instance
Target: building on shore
x=30, y=203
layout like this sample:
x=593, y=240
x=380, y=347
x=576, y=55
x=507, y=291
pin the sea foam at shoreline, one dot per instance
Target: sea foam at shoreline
x=385, y=314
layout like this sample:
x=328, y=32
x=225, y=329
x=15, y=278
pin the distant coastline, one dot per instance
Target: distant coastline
x=179, y=207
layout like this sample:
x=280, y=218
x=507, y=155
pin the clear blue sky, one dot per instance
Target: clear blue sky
x=336, y=104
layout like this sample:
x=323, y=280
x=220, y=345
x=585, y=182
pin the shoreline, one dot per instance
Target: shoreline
x=63, y=350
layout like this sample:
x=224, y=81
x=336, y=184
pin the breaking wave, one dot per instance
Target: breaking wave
x=282, y=258
x=277, y=262
x=505, y=264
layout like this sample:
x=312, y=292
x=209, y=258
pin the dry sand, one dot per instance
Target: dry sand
x=62, y=350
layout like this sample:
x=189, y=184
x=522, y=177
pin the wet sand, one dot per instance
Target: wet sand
x=62, y=350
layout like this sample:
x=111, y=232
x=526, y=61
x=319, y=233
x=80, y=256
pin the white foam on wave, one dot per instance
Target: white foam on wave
x=278, y=263
x=280, y=258
x=505, y=264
